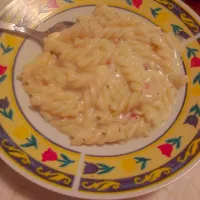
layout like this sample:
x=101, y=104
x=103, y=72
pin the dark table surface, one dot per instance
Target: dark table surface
x=194, y=4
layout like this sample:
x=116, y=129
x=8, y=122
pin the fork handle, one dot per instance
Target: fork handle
x=13, y=28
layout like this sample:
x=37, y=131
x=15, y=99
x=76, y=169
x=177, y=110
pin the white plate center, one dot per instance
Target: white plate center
x=29, y=51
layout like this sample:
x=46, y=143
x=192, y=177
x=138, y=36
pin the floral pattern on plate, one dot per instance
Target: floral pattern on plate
x=58, y=166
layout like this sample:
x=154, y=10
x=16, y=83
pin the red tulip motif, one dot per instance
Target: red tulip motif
x=167, y=148
x=137, y=3
x=195, y=62
x=49, y=155
x=2, y=69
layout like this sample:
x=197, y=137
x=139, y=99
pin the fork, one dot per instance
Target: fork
x=36, y=35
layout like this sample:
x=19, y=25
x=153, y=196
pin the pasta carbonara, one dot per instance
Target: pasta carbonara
x=108, y=78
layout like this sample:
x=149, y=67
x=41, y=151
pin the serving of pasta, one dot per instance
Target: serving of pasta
x=109, y=78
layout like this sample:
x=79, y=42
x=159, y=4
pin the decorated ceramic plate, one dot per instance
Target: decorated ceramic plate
x=42, y=154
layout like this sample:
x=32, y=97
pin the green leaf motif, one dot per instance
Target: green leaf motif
x=2, y=78
x=10, y=114
x=32, y=142
x=178, y=144
x=155, y=11
x=65, y=160
x=102, y=165
x=191, y=52
x=175, y=141
x=143, y=162
x=7, y=49
x=68, y=1
x=176, y=29
x=2, y=46
x=129, y=2
x=104, y=168
x=195, y=109
x=3, y=112
x=64, y=156
x=26, y=145
x=6, y=114
x=106, y=171
x=197, y=79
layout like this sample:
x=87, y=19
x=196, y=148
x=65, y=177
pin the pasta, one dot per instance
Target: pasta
x=109, y=78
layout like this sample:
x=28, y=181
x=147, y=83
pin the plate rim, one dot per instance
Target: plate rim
x=129, y=194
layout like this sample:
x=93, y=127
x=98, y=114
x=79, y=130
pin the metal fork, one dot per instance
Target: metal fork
x=36, y=35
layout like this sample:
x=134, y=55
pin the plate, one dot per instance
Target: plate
x=40, y=153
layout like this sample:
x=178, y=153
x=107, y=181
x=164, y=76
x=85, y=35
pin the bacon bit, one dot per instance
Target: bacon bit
x=64, y=117
x=109, y=61
x=82, y=35
x=146, y=86
x=68, y=117
x=134, y=116
x=44, y=82
x=154, y=47
x=116, y=41
x=146, y=67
